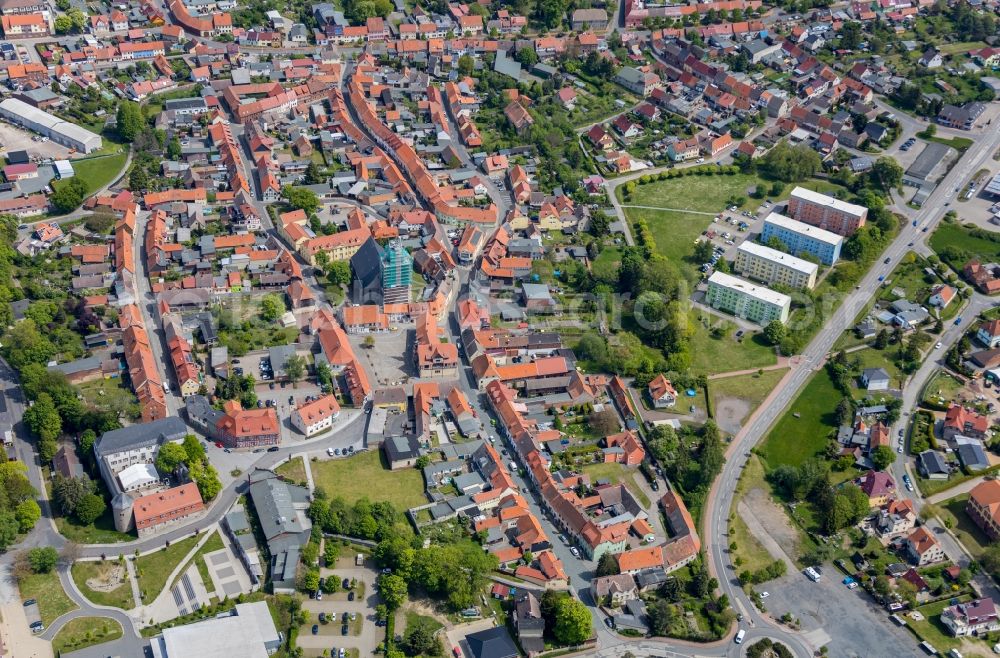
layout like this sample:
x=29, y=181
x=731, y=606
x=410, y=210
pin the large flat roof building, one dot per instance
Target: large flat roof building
x=48, y=125
x=762, y=263
x=746, y=300
x=801, y=238
x=826, y=212
x=248, y=632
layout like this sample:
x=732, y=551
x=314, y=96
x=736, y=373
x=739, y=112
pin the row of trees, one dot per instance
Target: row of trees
x=190, y=453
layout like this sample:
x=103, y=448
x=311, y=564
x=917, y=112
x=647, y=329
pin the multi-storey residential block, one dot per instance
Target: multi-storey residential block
x=801, y=238
x=984, y=507
x=762, y=263
x=746, y=300
x=826, y=212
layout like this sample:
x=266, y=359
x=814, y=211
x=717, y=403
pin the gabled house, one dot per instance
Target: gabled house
x=662, y=392
x=922, y=548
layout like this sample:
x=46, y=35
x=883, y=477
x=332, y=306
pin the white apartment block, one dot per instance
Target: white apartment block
x=762, y=263
x=746, y=300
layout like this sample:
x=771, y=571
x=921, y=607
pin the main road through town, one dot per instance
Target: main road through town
x=919, y=226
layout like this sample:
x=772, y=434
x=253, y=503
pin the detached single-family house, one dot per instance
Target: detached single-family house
x=923, y=548
x=971, y=618
x=989, y=334
x=875, y=379
x=662, y=392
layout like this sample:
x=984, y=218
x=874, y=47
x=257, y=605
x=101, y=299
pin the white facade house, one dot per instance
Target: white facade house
x=316, y=416
x=762, y=263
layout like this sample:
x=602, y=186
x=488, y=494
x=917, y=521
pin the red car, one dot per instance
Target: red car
x=457, y=652
x=218, y=445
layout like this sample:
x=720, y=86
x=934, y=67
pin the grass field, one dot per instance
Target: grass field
x=794, y=440
x=101, y=531
x=952, y=513
x=618, y=474
x=153, y=569
x=120, y=597
x=96, y=172
x=675, y=232
x=752, y=388
x=48, y=591
x=957, y=143
x=956, y=236
x=932, y=630
x=712, y=355
x=293, y=469
x=84, y=632
x=750, y=553
x=606, y=263
x=366, y=476
x=416, y=619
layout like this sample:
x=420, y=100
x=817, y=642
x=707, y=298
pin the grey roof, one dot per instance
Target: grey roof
x=79, y=365
x=170, y=428
x=876, y=375
x=971, y=454
x=928, y=160
x=401, y=447
x=275, y=501
x=492, y=643
x=931, y=461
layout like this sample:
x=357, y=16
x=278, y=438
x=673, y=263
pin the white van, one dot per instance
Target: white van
x=739, y=636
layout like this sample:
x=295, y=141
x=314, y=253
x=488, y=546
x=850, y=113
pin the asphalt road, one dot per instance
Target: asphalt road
x=721, y=497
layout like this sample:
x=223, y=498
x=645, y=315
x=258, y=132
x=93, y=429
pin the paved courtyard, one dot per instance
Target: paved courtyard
x=388, y=361
x=329, y=635
x=229, y=576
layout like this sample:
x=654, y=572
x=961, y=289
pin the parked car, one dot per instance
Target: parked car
x=350, y=596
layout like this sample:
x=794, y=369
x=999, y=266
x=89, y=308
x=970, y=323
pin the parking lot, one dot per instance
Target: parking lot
x=831, y=613
x=15, y=139
x=363, y=635
x=388, y=361
x=729, y=229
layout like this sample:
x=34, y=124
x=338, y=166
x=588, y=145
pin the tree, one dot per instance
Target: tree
x=193, y=448
x=421, y=641
x=170, y=456
x=313, y=175
x=43, y=419
x=174, y=149
x=90, y=508
x=207, y=479
x=300, y=198
x=845, y=411
x=392, y=588
x=607, y=566
x=774, y=332
x=574, y=624
x=129, y=120
x=882, y=586
x=527, y=56
x=887, y=173
x=466, y=64
x=604, y=422
x=68, y=492
x=63, y=24
x=790, y=163
x=27, y=513
x=43, y=559
x=661, y=616
x=703, y=252
x=883, y=457
x=339, y=272
x=295, y=367
x=272, y=307
x=69, y=195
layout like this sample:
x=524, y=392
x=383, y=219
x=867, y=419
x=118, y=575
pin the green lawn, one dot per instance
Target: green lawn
x=675, y=232
x=873, y=358
x=793, y=439
x=153, y=569
x=101, y=531
x=416, y=619
x=618, y=474
x=84, y=632
x=48, y=591
x=711, y=355
x=952, y=513
x=605, y=266
x=752, y=388
x=214, y=543
x=293, y=469
x=366, y=476
x=958, y=143
x=959, y=238
x=942, y=388
x=96, y=172
x=930, y=627
x=120, y=597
